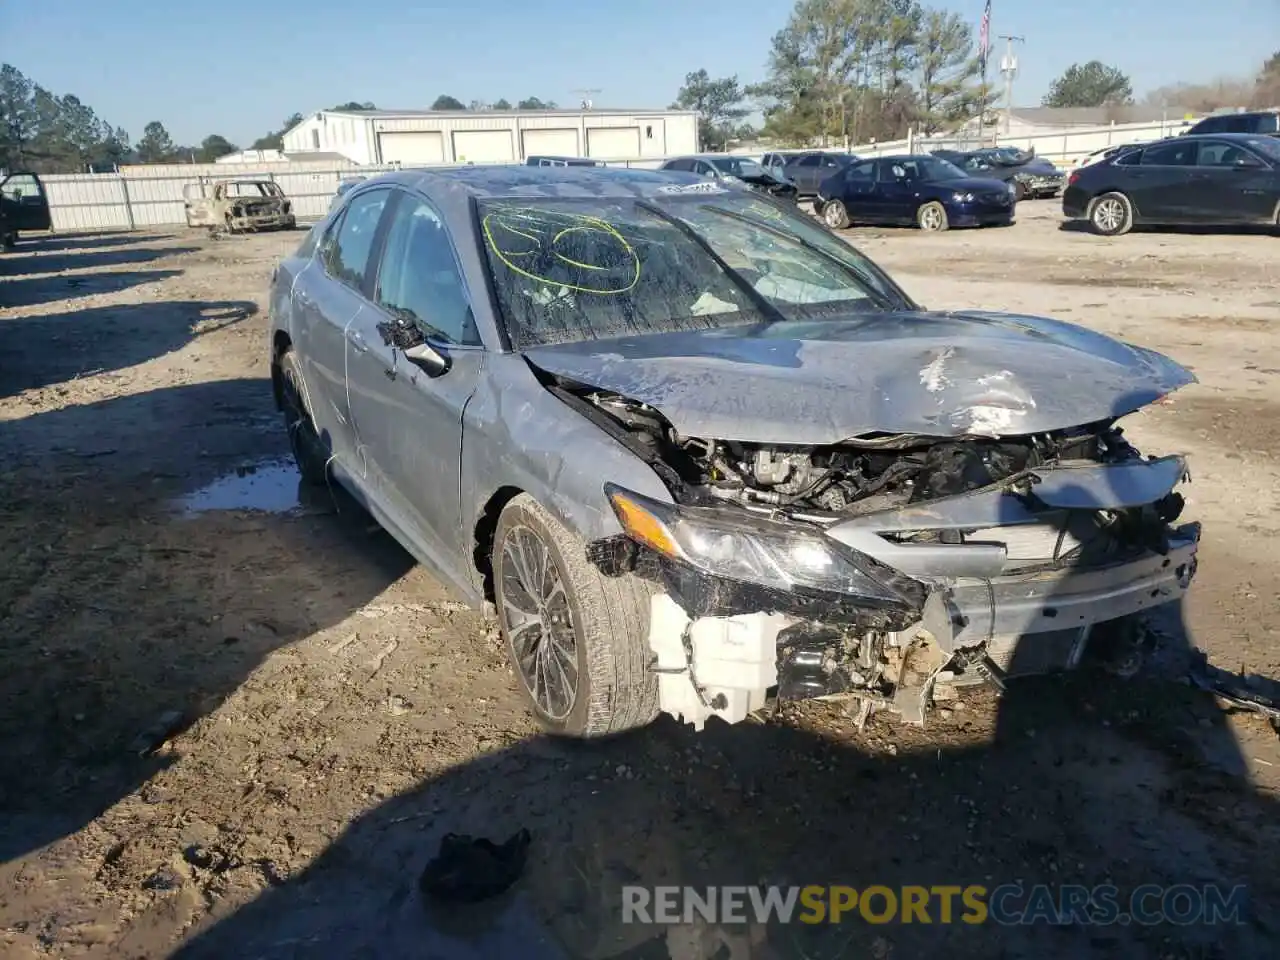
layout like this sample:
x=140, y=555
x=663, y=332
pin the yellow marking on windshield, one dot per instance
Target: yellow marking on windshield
x=545, y=230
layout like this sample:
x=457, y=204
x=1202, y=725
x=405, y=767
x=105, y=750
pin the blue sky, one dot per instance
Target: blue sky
x=139, y=60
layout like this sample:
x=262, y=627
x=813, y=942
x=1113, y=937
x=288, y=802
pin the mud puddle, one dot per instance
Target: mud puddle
x=268, y=486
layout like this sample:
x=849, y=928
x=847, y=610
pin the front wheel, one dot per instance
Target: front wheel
x=305, y=443
x=578, y=640
x=834, y=215
x=1111, y=214
x=932, y=217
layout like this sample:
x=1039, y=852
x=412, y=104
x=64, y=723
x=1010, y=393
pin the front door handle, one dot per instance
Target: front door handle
x=356, y=339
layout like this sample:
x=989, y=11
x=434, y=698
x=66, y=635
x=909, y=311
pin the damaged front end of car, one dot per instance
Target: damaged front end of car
x=888, y=568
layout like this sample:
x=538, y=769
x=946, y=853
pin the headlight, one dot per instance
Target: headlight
x=962, y=197
x=757, y=551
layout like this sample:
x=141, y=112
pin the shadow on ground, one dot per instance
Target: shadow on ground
x=124, y=622
x=92, y=258
x=52, y=348
x=32, y=243
x=32, y=291
x=1230, y=230
x=1076, y=784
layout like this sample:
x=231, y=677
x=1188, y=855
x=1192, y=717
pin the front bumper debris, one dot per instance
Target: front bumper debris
x=992, y=607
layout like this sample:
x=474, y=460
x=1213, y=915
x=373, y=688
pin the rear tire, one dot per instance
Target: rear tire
x=567, y=624
x=1111, y=215
x=308, y=449
x=834, y=215
x=932, y=217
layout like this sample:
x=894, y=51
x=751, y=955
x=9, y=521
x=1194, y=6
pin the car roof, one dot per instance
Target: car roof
x=452, y=189
x=1239, y=137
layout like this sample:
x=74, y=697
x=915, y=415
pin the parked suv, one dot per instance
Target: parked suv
x=1255, y=121
x=24, y=205
x=809, y=170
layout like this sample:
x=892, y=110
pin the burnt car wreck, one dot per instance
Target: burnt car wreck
x=971, y=541
x=239, y=206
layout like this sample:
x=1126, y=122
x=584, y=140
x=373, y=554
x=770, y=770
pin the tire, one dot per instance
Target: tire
x=834, y=215
x=1019, y=191
x=608, y=626
x=932, y=217
x=308, y=449
x=1111, y=214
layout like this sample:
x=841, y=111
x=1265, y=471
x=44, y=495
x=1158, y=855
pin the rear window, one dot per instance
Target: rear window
x=1267, y=147
x=1173, y=154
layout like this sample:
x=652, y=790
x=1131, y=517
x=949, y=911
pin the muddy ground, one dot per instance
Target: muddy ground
x=231, y=731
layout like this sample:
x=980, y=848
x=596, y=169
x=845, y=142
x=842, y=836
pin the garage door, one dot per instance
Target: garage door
x=551, y=143
x=421, y=147
x=483, y=146
x=618, y=142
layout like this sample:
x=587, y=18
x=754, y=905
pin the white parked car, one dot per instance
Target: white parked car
x=1104, y=153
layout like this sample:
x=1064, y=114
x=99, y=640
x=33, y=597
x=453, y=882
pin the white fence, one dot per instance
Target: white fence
x=1064, y=145
x=152, y=195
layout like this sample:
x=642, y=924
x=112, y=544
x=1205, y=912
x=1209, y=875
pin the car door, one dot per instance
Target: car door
x=25, y=201
x=1161, y=183
x=408, y=414
x=1236, y=185
x=326, y=298
x=805, y=173
x=859, y=191
x=828, y=167
x=896, y=191
x=197, y=207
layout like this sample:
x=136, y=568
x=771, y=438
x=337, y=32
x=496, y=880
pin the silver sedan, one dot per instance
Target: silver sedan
x=696, y=450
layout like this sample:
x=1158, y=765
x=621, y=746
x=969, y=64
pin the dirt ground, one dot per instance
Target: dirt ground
x=234, y=723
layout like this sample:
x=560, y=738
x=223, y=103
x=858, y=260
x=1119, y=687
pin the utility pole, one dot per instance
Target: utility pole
x=1009, y=67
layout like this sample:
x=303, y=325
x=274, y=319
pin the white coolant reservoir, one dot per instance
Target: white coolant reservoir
x=734, y=662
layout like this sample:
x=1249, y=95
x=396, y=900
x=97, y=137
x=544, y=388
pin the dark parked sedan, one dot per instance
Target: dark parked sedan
x=926, y=191
x=1229, y=178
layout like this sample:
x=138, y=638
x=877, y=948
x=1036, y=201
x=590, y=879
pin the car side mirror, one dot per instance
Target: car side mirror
x=404, y=335
x=1246, y=163
x=427, y=359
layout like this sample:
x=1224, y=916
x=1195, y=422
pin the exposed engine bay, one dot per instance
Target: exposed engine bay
x=861, y=475
x=1007, y=553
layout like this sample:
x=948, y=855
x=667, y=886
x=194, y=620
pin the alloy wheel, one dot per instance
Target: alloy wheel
x=1109, y=215
x=539, y=623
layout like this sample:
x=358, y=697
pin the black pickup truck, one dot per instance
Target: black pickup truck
x=24, y=205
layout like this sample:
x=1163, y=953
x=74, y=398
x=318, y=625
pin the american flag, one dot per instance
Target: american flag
x=984, y=35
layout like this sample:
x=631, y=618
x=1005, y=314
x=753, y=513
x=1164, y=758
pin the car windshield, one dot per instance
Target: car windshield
x=253, y=188
x=737, y=166
x=933, y=169
x=700, y=257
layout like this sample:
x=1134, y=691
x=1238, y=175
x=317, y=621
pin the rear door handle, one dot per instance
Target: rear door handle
x=356, y=339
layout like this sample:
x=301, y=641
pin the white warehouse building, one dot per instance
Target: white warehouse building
x=413, y=137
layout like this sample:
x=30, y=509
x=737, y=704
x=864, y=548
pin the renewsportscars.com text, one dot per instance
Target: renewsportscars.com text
x=1006, y=904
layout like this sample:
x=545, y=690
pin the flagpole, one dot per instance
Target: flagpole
x=984, y=51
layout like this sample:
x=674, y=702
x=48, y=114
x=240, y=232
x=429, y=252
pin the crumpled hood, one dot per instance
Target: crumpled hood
x=822, y=382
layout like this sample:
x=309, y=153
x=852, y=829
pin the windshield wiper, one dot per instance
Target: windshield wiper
x=757, y=299
x=867, y=286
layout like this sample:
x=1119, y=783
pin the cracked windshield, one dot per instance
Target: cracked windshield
x=574, y=270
